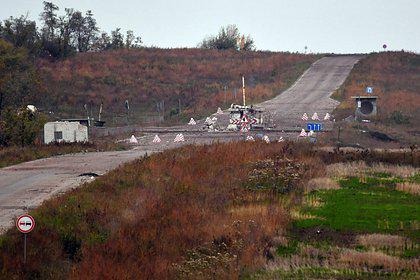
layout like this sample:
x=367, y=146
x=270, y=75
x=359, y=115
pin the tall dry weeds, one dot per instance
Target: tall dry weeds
x=359, y=168
x=413, y=188
x=321, y=183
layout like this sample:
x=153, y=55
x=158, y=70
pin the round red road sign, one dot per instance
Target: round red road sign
x=25, y=223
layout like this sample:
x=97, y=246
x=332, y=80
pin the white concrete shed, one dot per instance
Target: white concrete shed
x=65, y=132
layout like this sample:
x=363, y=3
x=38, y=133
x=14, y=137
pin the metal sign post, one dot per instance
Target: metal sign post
x=25, y=224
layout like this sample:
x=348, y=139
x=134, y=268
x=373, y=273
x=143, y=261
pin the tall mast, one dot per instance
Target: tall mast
x=243, y=89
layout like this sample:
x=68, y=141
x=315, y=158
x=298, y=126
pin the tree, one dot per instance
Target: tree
x=117, y=39
x=90, y=34
x=20, y=127
x=21, y=32
x=228, y=38
x=50, y=19
x=19, y=82
x=131, y=41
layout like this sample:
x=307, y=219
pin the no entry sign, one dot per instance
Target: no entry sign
x=25, y=223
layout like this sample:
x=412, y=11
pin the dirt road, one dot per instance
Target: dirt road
x=26, y=185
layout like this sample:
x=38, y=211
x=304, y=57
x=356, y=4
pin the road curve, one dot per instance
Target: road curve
x=27, y=185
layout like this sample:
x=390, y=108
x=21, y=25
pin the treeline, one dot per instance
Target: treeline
x=60, y=36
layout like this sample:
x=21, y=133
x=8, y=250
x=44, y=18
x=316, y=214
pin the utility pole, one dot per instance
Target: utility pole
x=163, y=110
x=243, y=89
x=225, y=88
x=127, y=107
x=100, y=112
x=87, y=114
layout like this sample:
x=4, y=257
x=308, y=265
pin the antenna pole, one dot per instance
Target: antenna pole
x=100, y=112
x=243, y=89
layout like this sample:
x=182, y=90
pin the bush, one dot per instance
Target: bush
x=20, y=127
x=399, y=118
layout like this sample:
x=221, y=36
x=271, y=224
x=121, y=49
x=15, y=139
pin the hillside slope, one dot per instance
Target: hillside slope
x=395, y=77
x=193, y=79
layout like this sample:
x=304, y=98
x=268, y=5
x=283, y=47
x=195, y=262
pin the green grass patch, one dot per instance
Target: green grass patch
x=370, y=206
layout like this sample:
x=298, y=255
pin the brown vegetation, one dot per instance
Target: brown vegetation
x=395, y=79
x=413, y=188
x=394, y=76
x=360, y=168
x=321, y=183
x=383, y=241
x=188, y=212
x=195, y=77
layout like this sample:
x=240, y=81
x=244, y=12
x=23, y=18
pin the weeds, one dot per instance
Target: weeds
x=413, y=188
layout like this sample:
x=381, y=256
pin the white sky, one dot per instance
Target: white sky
x=284, y=25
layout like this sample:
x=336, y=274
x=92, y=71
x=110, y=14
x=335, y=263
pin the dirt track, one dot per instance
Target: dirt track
x=26, y=185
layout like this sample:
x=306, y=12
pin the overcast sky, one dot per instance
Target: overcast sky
x=279, y=25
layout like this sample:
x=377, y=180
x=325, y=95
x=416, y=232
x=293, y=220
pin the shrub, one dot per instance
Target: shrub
x=399, y=118
x=20, y=127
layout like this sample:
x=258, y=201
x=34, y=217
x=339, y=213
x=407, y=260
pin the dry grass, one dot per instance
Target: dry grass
x=383, y=241
x=180, y=212
x=413, y=188
x=298, y=215
x=322, y=183
x=337, y=258
x=360, y=168
x=149, y=74
x=374, y=261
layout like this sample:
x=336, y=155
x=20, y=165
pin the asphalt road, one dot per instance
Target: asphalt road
x=27, y=185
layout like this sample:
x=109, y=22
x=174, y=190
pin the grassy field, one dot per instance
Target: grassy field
x=362, y=227
x=221, y=211
x=365, y=205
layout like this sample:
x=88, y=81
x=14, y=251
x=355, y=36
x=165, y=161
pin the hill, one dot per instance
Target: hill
x=195, y=80
x=395, y=77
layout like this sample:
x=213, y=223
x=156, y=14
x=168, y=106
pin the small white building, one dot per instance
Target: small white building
x=65, y=132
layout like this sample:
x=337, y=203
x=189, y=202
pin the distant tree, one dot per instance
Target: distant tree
x=20, y=127
x=65, y=36
x=117, y=39
x=19, y=82
x=50, y=19
x=90, y=34
x=228, y=38
x=49, y=42
x=21, y=32
x=247, y=43
x=84, y=30
x=131, y=41
x=102, y=43
x=61, y=36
